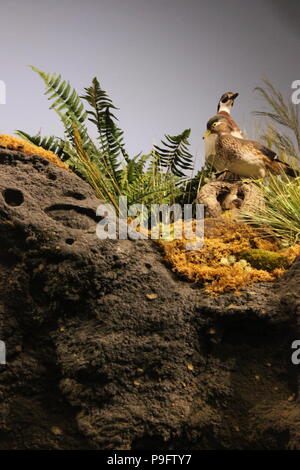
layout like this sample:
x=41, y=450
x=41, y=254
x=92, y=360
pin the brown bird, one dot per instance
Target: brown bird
x=224, y=109
x=245, y=158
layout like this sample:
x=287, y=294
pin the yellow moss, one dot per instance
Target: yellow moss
x=15, y=143
x=219, y=265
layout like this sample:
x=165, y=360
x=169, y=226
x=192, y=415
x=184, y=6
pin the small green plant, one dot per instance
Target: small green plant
x=280, y=213
x=264, y=259
x=157, y=177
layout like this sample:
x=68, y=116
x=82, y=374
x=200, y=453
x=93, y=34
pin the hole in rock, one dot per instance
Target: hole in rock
x=13, y=197
x=75, y=195
x=73, y=216
x=52, y=176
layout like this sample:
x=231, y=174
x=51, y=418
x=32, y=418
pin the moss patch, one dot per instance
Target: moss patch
x=233, y=256
x=14, y=143
x=265, y=259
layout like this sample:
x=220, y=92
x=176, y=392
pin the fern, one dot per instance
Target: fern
x=175, y=155
x=105, y=164
x=65, y=97
x=146, y=191
x=99, y=102
x=134, y=168
x=52, y=143
x=113, y=142
x=67, y=104
x=110, y=136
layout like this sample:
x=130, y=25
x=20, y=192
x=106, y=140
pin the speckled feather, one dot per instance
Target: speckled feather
x=247, y=158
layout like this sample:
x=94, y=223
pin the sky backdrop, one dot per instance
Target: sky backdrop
x=164, y=63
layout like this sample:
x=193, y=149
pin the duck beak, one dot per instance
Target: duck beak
x=207, y=133
x=234, y=96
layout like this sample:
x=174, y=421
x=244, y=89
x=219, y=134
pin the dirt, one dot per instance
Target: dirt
x=94, y=362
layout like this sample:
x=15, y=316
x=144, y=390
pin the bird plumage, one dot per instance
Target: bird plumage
x=224, y=108
x=236, y=132
x=245, y=158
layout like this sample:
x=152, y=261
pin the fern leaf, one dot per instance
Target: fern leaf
x=67, y=104
x=52, y=143
x=61, y=91
x=110, y=136
x=175, y=155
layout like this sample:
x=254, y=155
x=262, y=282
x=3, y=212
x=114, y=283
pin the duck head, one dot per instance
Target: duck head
x=218, y=125
x=227, y=101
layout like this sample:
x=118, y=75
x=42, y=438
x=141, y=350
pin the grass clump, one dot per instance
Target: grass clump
x=280, y=215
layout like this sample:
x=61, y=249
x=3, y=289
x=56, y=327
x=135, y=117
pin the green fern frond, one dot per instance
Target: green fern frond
x=113, y=138
x=66, y=98
x=144, y=190
x=52, y=143
x=66, y=102
x=99, y=101
x=134, y=168
x=175, y=155
x=110, y=136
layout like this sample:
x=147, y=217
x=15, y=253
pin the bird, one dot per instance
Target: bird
x=224, y=109
x=244, y=158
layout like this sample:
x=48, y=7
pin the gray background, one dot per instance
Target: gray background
x=164, y=62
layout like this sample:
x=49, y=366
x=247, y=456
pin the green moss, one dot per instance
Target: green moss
x=264, y=259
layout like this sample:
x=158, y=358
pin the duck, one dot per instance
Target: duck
x=224, y=108
x=242, y=157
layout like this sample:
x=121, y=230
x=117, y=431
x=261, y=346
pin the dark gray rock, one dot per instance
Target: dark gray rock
x=94, y=363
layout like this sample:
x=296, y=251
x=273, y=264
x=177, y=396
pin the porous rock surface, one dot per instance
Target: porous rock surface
x=94, y=362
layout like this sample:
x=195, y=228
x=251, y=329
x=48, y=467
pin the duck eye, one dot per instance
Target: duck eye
x=224, y=100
